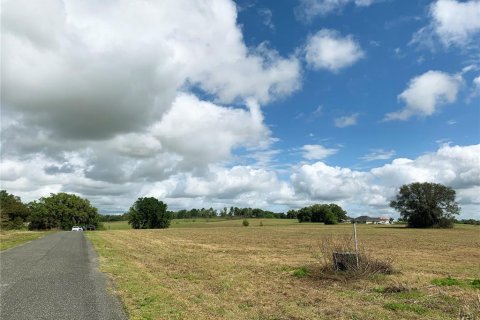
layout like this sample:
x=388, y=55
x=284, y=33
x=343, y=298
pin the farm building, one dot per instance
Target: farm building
x=372, y=220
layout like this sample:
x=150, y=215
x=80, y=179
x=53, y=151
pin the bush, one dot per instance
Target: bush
x=445, y=223
x=245, y=223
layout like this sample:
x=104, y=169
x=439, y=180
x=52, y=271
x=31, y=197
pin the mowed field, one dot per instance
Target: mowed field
x=219, y=269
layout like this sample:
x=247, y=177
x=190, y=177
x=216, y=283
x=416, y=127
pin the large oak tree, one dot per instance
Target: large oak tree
x=426, y=204
x=62, y=211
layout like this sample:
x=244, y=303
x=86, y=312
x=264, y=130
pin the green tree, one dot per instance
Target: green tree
x=292, y=214
x=63, y=211
x=329, y=216
x=149, y=213
x=318, y=212
x=426, y=204
x=338, y=211
x=13, y=212
x=304, y=214
x=327, y=213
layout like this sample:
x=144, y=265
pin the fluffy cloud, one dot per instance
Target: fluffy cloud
x=317, y=152
x=346, y=121
x=322, y=182
x=452, y=23
x=455, y=22
x=91, y=70
x=455, y=166
x=327, y=49
x=309, y=9
x=203, y=132
x=425, y=93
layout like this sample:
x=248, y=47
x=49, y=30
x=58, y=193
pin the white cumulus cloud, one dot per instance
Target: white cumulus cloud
x=425, y=93
x=90, y=70
x=328, y=49
x=203, y=132
x=371, y=191
x=452, y=22
x=455, y=22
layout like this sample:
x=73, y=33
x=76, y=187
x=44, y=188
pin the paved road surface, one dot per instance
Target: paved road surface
x=55, y=277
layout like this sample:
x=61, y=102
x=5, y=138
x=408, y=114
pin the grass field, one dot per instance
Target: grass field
x=222, y=270
x=13, y=238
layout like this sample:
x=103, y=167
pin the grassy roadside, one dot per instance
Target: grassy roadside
x=13, y=238
x=222, y=270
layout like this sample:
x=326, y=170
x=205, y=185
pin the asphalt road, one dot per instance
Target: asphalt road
x=55, y=277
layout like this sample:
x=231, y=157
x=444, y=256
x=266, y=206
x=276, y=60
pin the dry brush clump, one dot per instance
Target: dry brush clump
x=338, y=260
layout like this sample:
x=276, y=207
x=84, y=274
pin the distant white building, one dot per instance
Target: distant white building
x=372, y=220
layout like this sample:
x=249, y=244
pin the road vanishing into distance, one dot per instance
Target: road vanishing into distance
x=55, y=277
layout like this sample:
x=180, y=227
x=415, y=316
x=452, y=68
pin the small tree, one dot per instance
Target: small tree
x=149, y=213
x=426, y=204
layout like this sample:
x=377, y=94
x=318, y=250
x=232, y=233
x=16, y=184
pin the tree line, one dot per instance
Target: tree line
x=228, y=213
x=57, y=211
x=325, y=213
x=421, y=205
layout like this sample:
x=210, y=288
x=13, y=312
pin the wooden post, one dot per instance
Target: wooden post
x=355, y=239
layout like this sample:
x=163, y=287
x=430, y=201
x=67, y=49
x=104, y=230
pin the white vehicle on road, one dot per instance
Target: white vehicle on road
x=75, y=228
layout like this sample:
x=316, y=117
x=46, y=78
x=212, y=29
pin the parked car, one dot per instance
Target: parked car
x=91, y=227
x=76, y=228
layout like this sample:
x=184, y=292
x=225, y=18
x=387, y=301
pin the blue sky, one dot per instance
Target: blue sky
x=271, y=104
x=369, y=88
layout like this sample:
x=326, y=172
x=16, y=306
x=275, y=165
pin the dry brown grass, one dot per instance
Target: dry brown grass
x=227, y=271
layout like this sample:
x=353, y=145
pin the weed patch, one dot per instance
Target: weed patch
x=475, y=283
x=449, y=281
x=300, y=273
x=399, y=306
x=367, y=267
x=446, y=282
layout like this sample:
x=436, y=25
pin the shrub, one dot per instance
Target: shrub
x=261, y=223
x=445, y=223
x=245, y=223
x=367, y=264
